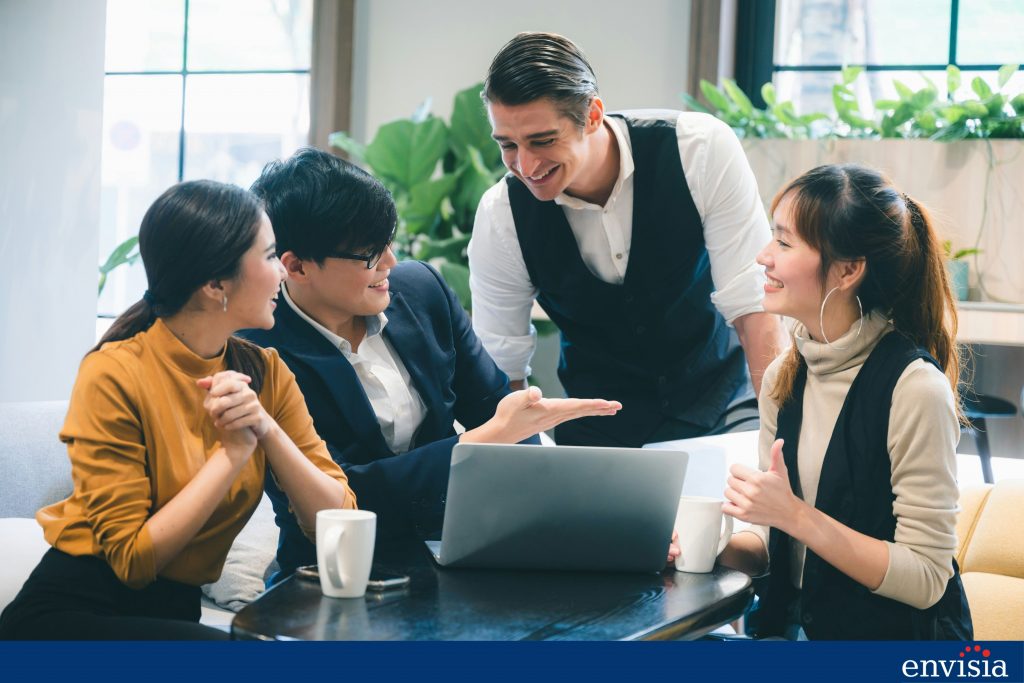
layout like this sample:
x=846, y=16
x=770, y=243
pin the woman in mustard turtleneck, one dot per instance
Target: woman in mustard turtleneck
x=171, y=426
x=859, y=421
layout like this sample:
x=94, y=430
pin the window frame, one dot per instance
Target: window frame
x=755, y=51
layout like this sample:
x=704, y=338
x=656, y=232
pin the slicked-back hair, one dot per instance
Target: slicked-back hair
x=320, y=204
x=535, y=66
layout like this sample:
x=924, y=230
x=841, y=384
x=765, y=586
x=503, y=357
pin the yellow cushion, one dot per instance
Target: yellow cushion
x=997, y=544
x=972, y=499
x=997, y=605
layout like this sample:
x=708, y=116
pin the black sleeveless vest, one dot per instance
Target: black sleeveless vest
x=855, y=489
x=655, y=342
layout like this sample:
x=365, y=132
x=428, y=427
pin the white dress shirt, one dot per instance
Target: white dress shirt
x=725, y=194
x=380, y=370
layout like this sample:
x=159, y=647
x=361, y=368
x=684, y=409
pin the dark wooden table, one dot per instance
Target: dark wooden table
x=469, y=604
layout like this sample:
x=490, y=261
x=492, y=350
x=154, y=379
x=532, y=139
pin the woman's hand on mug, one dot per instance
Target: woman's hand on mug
x=524, y=413
x=673, y=548
x=764, y=498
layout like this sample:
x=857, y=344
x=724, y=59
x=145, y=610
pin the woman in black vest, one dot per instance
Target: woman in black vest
x=859, y=421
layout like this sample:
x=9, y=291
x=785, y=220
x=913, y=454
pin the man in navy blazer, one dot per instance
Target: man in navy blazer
x=383, y=352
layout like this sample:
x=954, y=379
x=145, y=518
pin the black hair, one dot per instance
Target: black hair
x=533, y=66
x=320, y=204
x=195, y=232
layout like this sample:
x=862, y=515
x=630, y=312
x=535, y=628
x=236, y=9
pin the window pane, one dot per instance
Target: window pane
x=809, y=32
x=236, y=124
x=263, y=34
x=141, y=120
x=145, y=36
x=991, y=32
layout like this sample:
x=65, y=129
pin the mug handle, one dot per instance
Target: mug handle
x=726, y=534
x=331, y=542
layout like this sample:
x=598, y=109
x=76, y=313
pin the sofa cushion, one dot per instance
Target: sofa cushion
x=995, y=602
x=34, y=466
x=250, y=561
x=24, y=546
x=995, y=546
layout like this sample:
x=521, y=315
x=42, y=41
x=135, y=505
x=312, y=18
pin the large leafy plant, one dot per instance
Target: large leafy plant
x=985, y=113
x=437, y=173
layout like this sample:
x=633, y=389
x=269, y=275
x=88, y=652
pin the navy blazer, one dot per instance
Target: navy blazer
x=450, y=369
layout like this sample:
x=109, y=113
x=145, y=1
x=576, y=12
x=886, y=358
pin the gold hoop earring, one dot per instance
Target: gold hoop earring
x=821, y=320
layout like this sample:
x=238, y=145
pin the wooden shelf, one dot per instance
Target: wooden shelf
x=983, y=322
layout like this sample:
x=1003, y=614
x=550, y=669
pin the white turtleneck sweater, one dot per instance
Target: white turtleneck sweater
x=922, y=439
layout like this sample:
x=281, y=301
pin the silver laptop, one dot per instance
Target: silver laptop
x=560, y=507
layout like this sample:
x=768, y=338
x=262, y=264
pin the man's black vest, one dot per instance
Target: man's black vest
x=856, y=490
x=655, y=342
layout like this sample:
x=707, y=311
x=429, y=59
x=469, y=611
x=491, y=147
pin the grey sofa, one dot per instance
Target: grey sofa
x=35, y=471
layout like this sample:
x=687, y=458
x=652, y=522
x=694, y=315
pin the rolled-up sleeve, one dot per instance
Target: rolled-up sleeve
x=291, y=414
x=112, y=488
x=735, y=223
x=923, y=434
x=502, y=291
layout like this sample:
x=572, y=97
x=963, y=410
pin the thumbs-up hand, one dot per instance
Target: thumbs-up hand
x=764, y=498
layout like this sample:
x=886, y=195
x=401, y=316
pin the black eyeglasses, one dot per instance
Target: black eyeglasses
x=371, y=259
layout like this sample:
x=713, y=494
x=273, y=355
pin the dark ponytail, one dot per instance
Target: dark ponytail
x=848, y=212
x=194, y=233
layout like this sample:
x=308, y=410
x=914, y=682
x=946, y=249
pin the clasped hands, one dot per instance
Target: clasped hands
x=763, y=498
x=236, y=411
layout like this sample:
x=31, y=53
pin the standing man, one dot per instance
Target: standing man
x=637, y=233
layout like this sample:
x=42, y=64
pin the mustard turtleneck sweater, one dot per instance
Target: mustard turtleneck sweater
x=137, y=433
x=922, y=439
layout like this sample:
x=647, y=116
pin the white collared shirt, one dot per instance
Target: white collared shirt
x=388, y=386
x=723, y=189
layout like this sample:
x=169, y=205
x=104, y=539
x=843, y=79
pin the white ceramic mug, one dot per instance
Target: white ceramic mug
x=344, y=551
x=702, y=536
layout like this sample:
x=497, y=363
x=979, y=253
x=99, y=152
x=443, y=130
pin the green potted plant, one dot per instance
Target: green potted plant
x=437, y=173
x=959, y=271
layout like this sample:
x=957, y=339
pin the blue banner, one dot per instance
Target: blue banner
x=876, y=662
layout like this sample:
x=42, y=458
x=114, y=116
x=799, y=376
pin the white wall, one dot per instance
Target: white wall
x=409, y=50
x=51, y=99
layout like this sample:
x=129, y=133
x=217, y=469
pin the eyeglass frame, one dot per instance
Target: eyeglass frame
x=371, y=259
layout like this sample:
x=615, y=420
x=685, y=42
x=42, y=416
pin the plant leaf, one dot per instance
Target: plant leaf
x=737, y=95
x=981, y=88
x=1006, y=72
x=849, y=74
x=952, y=78
x=474, y=179
x=693, y=104
x=355, y=150
x=425, y=202
x=903, y=90
x=457, y=277
x=422, y=112
x=406, y=153
x=714, y=96
x=470, y=127
x=121, y=255
x=768, y=94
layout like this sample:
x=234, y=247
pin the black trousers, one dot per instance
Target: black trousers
x=80, y=598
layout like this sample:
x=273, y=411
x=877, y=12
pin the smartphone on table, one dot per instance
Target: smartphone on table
x=379, y=580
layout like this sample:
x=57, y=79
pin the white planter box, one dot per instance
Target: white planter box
x=974, y=189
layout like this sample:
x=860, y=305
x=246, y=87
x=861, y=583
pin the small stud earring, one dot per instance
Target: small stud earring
x=225, y=303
